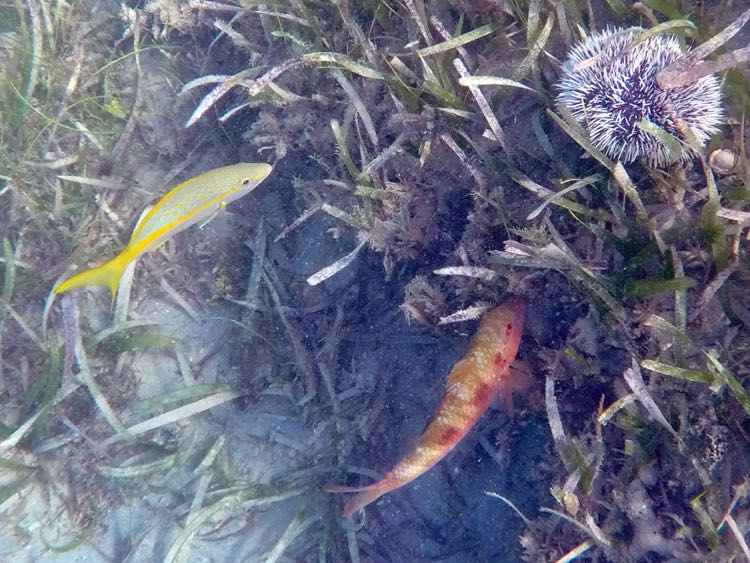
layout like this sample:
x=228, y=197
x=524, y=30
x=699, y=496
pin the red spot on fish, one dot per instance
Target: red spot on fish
x=481, y=395
x=508, y=329
x=449, y=436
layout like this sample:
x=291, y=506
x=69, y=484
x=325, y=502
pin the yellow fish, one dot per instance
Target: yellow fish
x=194, y=201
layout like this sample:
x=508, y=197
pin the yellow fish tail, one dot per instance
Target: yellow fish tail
x=108, y=275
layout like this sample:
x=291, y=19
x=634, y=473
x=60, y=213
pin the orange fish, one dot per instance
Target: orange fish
x=481, y=375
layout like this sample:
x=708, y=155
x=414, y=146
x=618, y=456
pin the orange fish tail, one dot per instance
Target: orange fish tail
x=360, y=500
x=365, y=495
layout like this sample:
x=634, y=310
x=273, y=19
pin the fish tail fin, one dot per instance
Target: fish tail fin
x=108, y=275
x=365, y=495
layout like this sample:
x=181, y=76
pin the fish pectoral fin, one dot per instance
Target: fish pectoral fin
x=516, y=379
x=219, y=209
x=503, y=399
x=519, y=377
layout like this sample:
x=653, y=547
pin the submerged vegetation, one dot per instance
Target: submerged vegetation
x=422, y=171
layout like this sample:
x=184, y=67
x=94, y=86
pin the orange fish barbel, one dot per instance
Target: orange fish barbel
x=481, y=375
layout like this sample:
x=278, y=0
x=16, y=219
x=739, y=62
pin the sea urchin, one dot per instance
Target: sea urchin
x=609, y=85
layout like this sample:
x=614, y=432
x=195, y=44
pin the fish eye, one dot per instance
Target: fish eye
x=508, y=329
x=245, y=181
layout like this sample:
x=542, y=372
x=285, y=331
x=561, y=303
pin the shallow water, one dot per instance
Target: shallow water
x=246, y=390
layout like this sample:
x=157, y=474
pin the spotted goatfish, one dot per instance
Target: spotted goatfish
x=194, y=201
x=481, y=375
